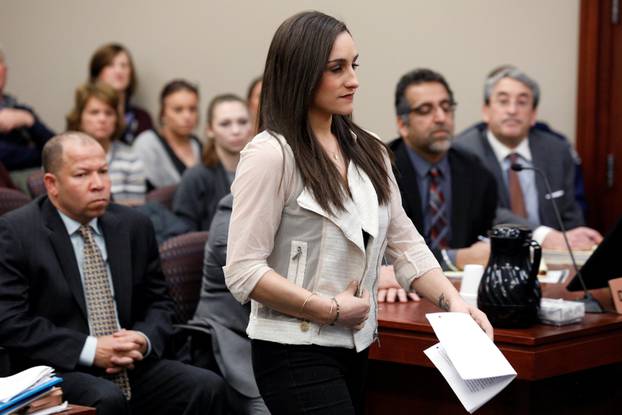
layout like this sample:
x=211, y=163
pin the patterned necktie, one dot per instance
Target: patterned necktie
x=517, y=199
x=99, y=301
x=437, y=212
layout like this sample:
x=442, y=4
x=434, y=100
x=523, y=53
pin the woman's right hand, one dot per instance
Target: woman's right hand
x=353, y=310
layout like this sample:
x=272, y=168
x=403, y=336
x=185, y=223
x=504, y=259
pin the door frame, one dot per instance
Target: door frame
x=593, y=100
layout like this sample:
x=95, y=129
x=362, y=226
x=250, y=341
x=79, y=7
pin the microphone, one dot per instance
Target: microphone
x=591, y=304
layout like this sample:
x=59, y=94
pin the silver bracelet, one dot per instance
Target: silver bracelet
x=448, y=261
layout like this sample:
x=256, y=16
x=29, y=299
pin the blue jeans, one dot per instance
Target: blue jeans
x=310, y=379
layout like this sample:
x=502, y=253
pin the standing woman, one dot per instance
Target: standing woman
x=96, y=112
x=167, y=153
x=113, y=65
x=201, y=188
x=315, y=208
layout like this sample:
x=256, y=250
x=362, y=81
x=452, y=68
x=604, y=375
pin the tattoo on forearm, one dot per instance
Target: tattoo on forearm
x=443, y=303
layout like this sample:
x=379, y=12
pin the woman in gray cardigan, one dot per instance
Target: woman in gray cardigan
x=166, y=153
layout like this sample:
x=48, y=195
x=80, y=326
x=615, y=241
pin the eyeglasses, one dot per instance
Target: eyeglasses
x=423, y=110
x=519, y=103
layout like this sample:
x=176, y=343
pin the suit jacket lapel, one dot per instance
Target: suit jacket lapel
x=538, y=155
x=490, y=161
x=119, y=260
x=460, y=185
x=63, y=248
x=409, y=186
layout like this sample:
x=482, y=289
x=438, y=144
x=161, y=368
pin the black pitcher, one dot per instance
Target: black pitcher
x=509, y=292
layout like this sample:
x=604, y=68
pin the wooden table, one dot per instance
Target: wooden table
x=544, y=356
x=77, y=409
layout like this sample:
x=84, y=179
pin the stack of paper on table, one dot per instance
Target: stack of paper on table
x=474, y=367
x=21, y=389
x=562, y=257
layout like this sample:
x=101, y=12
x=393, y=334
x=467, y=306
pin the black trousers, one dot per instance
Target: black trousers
x=310, y=379
x=158, y=387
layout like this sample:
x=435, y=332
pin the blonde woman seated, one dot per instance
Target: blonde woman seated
x=201, y=187
x=169, y=151
x=96, y=113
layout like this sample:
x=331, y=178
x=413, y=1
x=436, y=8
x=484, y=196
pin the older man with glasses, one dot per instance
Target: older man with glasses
x=510, y=110
x=447, y=193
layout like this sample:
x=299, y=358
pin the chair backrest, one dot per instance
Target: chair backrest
x=182, y=265
x=11, y=199
x=35, y=185
x=163, y=195
x=5, y=178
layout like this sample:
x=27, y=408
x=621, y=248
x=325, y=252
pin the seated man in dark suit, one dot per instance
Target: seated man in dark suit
x=510, y=109
x=22, y=134
x=579, y=185
x=81, y=290
x=447, y=193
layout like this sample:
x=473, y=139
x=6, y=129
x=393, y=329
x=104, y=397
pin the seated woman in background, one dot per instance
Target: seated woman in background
x=96, y=112
x=112, y=64
x=201, y=187
x=168, y=152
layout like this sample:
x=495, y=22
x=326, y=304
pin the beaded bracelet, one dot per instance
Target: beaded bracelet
x=337, y=314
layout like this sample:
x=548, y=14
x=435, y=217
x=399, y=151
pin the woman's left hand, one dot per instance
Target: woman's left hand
x=478, y=315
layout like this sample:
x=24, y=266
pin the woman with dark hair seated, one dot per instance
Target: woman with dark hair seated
x=201, y=187
x=96, y=112
x=113, y=65
x=169, y=151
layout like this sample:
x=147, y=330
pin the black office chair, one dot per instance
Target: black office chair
x=11, y=199
x=163, y=195
x=182, y=266
x=35, y=184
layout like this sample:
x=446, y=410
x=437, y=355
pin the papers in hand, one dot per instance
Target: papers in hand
x=474, y=367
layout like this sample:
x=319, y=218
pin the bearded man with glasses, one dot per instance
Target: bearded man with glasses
x=447, y=193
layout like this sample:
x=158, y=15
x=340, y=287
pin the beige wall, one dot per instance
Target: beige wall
x=221, y=45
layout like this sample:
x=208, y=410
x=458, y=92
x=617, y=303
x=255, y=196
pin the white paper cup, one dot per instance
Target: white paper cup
x=470, y=280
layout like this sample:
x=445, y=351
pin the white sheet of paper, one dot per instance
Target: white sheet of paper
x=472, y=394
x=474, y=367
x=471, y=351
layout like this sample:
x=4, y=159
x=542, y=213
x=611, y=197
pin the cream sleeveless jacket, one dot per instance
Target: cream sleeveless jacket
x=276, y=224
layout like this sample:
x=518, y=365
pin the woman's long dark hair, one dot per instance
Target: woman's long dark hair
x=294, y=67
